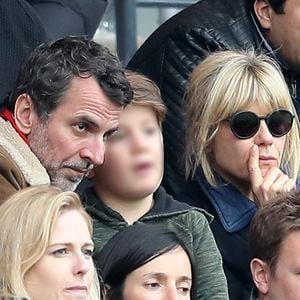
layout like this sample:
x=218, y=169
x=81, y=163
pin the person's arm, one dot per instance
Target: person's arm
x=197, y=236
x=210, y=274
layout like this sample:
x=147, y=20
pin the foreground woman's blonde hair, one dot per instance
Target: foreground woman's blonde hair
x=227, y=82
x=27, y=220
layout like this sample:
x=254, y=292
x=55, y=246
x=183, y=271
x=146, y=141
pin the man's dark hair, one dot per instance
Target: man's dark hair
x=49, y=70
x=271, y=224
x=277, y=5
x=133, y=247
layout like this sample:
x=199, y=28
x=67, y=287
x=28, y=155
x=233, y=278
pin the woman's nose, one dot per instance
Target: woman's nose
x=263, y=135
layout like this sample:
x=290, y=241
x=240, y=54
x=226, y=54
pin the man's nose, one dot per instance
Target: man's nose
x=94, y=152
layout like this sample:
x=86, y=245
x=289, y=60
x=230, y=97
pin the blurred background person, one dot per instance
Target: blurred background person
x=20, y=32
x=61, y=18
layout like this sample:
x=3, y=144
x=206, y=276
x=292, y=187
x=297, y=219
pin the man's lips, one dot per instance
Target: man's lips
x=80, y=171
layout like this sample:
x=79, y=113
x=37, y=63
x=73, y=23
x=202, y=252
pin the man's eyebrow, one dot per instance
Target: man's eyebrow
x=90, y=121
x=112, y=130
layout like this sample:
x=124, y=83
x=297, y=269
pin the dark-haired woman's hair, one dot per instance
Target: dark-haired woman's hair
x=132, y=248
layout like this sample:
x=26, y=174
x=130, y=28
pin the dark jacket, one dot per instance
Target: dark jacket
x=75, y=17
x=189, y=223
x=175, y=48
x=20, y=32
x=232, y=216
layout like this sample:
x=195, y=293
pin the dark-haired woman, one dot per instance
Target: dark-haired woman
x=147, y=262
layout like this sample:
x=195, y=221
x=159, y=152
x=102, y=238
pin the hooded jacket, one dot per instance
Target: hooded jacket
x=190, y=224
x=232, y=213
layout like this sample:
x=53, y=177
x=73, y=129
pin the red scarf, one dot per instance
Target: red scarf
x=8, y=116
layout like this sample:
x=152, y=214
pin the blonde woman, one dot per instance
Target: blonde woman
x=46, y=246
x=242, y=149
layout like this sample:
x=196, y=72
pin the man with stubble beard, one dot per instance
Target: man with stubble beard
x=66, y=102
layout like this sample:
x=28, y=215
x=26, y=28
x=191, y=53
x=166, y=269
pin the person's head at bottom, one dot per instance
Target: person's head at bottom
x=146, y=262
x=46, y=246
x=275, y=248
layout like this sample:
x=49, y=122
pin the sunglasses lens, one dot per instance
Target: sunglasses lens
x=244, y=124
x=280, y=122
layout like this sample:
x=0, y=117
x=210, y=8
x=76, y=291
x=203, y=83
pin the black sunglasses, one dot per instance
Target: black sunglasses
x=245, y=124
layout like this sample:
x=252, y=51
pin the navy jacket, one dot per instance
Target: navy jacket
x=232, y=216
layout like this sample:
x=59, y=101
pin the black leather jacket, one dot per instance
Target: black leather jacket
x=171, y=53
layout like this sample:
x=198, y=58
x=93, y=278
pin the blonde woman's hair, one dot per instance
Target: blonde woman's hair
x=227, y=82
x=27, y=220
x=146, y=93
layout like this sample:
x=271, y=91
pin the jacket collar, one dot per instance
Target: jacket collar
x=234, y=210
x=29, y=165
x=8, y=116
x=164, y=206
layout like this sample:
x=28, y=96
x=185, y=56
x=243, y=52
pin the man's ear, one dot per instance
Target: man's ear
x=263, y=12
x=24, y=113
x=260, y=275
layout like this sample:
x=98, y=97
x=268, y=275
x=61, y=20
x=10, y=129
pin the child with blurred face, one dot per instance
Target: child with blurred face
x=127, y=187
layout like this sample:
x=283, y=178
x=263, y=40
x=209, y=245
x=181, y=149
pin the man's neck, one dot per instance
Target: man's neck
x=130, y=209
x=274, y=53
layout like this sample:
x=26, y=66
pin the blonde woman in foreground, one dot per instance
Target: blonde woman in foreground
x=46, y=247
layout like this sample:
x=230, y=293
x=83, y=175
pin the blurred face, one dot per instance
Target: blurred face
x=133, y=164
x=72, y=140
x=285, y=283
x=283, y=31
x=161, y=278
x=66, y=269
x=231, y=155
